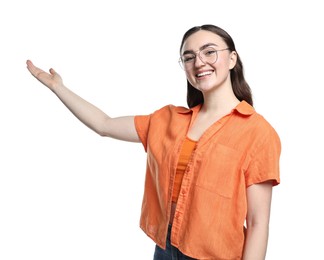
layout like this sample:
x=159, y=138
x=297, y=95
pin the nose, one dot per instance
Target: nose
x=198, y=61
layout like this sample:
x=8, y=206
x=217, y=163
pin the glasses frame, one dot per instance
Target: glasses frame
x=197, y=54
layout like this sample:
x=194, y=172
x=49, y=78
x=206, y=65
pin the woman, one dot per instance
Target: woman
x=210, y=167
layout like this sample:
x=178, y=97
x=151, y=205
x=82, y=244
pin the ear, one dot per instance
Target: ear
x=233, y=59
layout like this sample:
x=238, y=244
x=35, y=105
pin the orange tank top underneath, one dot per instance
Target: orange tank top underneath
x=187, y=148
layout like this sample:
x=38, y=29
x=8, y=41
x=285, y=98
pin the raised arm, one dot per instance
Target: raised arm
x=122, y=128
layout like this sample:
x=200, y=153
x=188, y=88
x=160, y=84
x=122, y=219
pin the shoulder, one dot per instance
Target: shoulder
x=264, y=133
x=255, y=120
x=170, y=109
x=254, y=126
x=164, y=113
x=263, y=125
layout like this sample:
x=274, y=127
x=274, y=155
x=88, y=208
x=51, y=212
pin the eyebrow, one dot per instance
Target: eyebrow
x=201, y=48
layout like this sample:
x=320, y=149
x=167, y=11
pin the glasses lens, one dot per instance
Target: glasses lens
x=187, y=60
x=181, y=63
x=208, y=55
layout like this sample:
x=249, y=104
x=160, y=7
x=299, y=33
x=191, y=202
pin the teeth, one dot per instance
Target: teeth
x=204, y=73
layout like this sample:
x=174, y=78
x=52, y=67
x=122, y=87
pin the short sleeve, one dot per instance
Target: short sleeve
x=264, y=164
x=142, y=125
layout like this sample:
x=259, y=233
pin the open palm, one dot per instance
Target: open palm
x=51, y=80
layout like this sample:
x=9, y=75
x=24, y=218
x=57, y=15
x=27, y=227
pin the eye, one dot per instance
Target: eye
x=209, y=52
x=188, y=58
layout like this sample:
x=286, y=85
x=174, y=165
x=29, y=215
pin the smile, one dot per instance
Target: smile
x=205, y=73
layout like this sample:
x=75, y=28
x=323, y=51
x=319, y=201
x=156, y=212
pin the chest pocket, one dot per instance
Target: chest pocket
x=219, y=170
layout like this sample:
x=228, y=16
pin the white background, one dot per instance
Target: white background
x=66, y=193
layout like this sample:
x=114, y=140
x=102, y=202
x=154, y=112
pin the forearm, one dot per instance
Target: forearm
x=87, y=113
x=256, y=242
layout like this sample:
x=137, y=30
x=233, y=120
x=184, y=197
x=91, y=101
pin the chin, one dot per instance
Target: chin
x=205, y=89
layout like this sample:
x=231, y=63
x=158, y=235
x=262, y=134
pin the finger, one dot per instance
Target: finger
x=29, y=65
x=35, y=71
x=29, y=62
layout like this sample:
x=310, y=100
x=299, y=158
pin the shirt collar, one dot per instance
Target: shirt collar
x=243, y=108
x=184, y=110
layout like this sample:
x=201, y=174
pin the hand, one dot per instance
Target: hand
x=51, y=80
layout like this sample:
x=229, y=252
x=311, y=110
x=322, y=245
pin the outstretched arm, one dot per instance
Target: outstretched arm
x=122, y=128
x=259, y=203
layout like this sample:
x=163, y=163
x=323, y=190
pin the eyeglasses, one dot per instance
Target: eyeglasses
x=208, y=55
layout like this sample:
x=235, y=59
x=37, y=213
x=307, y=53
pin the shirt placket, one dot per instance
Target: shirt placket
x=188, y=176
x=182, y=200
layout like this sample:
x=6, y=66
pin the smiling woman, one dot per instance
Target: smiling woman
x=210, y=167
x=222, y=42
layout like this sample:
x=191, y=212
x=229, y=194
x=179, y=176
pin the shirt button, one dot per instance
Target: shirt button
x=183, y=192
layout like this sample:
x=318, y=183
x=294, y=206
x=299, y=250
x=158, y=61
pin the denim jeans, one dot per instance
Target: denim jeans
x=170, y=253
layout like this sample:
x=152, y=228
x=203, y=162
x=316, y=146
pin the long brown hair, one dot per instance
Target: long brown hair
x=240, y=87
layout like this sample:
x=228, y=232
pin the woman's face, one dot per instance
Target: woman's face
x=207, y=61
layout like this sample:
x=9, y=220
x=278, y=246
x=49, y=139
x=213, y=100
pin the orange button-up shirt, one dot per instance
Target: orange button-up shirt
x=238, y=150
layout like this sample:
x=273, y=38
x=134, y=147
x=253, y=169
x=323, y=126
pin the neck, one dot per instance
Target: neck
x=219, y=103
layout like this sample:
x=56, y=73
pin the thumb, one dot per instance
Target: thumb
x=52, y=71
